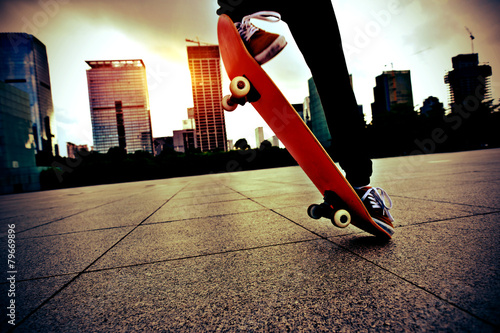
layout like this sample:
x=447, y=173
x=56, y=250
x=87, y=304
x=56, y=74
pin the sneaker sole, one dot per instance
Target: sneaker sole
x=387, y=228
x=271, y=51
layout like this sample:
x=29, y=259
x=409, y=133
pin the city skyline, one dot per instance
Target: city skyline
x=399, y=35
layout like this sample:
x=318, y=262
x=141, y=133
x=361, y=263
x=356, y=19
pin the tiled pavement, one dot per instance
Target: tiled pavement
x=237, y=252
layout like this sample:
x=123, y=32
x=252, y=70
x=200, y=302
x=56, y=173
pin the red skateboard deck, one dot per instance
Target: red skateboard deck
x=291, y=130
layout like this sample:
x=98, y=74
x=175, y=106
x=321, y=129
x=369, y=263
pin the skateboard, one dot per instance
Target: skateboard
x=250, y=83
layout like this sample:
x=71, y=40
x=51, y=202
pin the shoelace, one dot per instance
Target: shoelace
x=247, y=29
x=377, y=198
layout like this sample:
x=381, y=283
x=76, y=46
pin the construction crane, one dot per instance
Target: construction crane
x=471, y=39
x=197, y=41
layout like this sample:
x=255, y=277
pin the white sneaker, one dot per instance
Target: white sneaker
x=378, y=203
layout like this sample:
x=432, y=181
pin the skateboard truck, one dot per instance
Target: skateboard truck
x=340, y=217
x=242, y=91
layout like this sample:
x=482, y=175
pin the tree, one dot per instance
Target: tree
x=242, y=144
x=265, y=144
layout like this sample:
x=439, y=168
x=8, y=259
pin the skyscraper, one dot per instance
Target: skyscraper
x=18, y=171
x=468, y=80
x=313, y=114
x=184, y=140
x=259, y=136
x=24, y=65
x=318, y=120
x=392, y=88
x=210, y=124
x=306, y=111
x=119, y=105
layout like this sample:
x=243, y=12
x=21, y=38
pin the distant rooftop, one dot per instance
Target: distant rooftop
x=115, y=63
x=393, y=71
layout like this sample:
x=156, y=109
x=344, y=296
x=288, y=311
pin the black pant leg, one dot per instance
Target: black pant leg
x=237, y=9
x=316, y=32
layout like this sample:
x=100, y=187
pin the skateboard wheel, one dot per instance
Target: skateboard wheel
x=314, y=211
x=341, y=218
x=228, y=104
x=240, y=87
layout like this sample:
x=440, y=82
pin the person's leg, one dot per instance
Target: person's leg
x=317, y=35
x=237, y=9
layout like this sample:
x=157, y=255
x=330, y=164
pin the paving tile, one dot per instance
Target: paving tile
x=457, y=260
x=124, y=213
x=305, y=197
x=187, y=238
x=471, y=193
x=31, y=210
x=237, y=252
x=468, y=178
x=406, y=211
x=309, y=286
x=410, y=211
x=188, y=200
x=174, y=212
x=28, y=296
x=61, y=254
x=203, y=190
x=275, y=190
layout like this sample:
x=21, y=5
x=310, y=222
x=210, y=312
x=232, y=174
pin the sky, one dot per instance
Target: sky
x=417, y=35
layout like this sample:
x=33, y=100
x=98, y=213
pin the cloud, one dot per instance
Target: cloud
x=421, y=35
x=157, y=22
x=154, y=20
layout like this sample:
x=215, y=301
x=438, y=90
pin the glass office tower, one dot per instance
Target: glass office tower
x=24, y=65
x=119, y=105
x=18, y=171
x=318, y=120
x=204, y=65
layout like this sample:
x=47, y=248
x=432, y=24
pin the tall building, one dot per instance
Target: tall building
x=468, y=79
x=206, y=80
x=259, y=136
x=24, y=65
x=318, y=120
x=306, y=111
x=119, y=105
x=274, y=141
x=184, y=140
x=18, y=171
x=74, y=150
x=190, y=122
x=160, y=144
x=313, y=115
x=392, y=88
